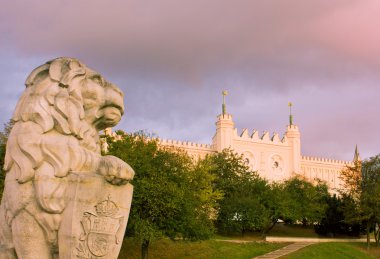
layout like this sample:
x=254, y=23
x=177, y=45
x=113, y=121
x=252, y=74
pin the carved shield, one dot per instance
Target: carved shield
x=95, y=219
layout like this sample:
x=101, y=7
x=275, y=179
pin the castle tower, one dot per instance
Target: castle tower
x=294, y=137
x=224, y=129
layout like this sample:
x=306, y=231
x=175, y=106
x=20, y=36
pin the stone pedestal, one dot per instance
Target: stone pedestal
x=95, y=219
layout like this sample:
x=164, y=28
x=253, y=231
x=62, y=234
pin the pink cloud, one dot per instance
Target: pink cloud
x=351, y=31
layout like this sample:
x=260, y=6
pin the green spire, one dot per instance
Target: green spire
x=290, y=114
x=356, y=155
x=224, y=93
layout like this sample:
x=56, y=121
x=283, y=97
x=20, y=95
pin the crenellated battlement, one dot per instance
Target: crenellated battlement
x=224, y=116
x=263, y=138
x=325, y=160
x=184, y=144
x=168, y=142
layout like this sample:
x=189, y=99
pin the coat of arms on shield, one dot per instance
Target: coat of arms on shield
x=100, y=231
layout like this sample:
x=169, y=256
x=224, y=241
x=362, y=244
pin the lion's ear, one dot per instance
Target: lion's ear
x=63, y=70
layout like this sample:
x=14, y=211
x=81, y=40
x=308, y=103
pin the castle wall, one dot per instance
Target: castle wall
x=274, y=158
x=262, y=152
x=327, y=170
x=270, y=156
x=195, y=150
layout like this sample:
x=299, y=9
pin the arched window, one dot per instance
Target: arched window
x=246, y=160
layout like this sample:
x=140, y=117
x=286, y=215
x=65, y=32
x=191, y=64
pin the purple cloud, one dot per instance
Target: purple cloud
x=173, y=58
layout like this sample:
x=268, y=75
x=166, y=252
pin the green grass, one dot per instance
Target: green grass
x=165, y=248
x=335, y=251
x=279, y=230
x=249, y=236
x=282, y=230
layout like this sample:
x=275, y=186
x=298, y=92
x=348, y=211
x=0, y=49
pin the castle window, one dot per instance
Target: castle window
x=249, y=159
x=246, y=161
x=277, y=164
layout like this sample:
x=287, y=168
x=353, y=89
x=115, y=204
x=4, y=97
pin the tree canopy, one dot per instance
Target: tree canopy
x=362, y=189
x=306, y=201
x=173, y=196
x=241, y=208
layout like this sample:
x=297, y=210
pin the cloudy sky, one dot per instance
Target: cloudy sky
x=172, y=58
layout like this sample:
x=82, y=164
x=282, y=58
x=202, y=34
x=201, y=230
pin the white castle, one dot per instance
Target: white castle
x=273, y=157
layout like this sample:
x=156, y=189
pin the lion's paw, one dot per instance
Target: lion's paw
x=115, y=170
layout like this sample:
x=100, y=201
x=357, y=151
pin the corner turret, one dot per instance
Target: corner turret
x=294, y=137
x=224, y=129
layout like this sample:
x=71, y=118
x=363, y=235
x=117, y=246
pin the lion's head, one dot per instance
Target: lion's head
x=63, y=98
x=73, y=93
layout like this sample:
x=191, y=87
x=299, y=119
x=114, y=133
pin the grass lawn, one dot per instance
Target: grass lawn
x=166, y=248
x=249, y=236
x=282, y=230
x=279, y=230
x=335, y=251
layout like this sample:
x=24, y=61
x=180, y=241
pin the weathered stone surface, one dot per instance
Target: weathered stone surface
x=55, y=134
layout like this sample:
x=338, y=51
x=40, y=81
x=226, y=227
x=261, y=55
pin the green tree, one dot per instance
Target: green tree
x=3, y=141
x=333, y=223
x=173, y=196
x=370, y=196
x=2, y=173
x=351, y=177
x=241, y=208
x=276, y=202
x=364, y=193
x=306, y=202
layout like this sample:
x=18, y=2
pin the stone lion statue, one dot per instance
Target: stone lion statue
x=57, y=120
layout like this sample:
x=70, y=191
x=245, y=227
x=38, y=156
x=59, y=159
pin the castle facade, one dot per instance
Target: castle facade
x=273, y=157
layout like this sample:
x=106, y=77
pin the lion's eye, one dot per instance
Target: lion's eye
x=97, y=80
